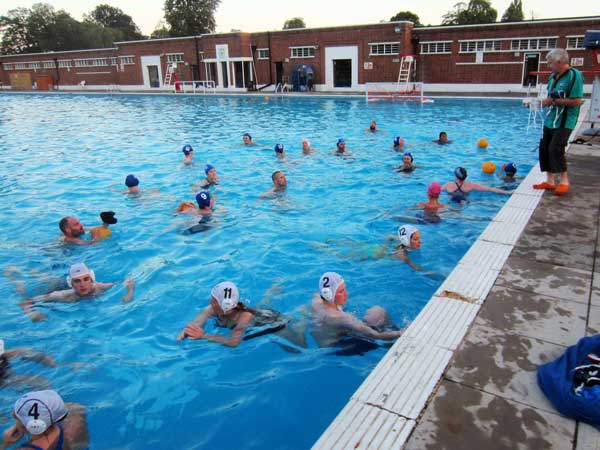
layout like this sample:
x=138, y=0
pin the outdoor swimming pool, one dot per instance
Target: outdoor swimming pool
x=69, y=155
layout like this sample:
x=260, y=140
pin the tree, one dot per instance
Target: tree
x=407, y=15
x=161, y=31
x=477, y=11
x=295, y=22
x=514, y=12
x=190, y=17
x=16, y=37
x=110, y=17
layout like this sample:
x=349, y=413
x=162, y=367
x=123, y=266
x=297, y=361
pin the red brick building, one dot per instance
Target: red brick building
x=466, y=58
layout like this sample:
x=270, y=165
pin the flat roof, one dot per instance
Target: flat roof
x=501, y=24
x=52, y=52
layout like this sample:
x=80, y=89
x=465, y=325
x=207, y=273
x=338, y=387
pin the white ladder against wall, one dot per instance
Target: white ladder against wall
x=406, y=67
x=171, y=68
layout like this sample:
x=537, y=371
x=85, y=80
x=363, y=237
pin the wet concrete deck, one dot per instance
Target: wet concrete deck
x=546, y=297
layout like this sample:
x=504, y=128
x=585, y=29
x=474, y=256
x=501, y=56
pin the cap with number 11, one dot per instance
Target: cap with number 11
x=226, y=294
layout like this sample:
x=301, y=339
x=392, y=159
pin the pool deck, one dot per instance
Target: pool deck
x=463, y=375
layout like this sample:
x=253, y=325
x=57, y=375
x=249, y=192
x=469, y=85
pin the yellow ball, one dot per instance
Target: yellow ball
x=267, y=98
x=488, y=167
x=482, y=143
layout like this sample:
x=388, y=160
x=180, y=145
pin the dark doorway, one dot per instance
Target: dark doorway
x=278, y=72
x=342, y=73
x=248, y=74
x=531, y=64
x=212, y=73
x=153, y=76
x=225, y=74
x=239, y=75
x=195, y=72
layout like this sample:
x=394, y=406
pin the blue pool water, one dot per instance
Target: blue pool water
x=69, y=155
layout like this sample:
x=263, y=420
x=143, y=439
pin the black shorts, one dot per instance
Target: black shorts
x=552, y=149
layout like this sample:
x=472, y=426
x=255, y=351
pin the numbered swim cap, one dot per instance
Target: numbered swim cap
x=278, y=148
x=510, y=168
x=404, y=234
x=208, y=168
x=226, y=294
x=187, y=149
x=329, y=284
x=340, y=141
x=79, y=270
x=39, y=410
x=203, y=199
x=131, y=181
x=460, y=173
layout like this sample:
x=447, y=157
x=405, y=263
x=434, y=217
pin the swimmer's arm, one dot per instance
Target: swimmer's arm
x=95, y=232
x=195, y=329
x=56, y=296
x=78, y=241
x=479, y=187
x=357, y=326
x=130, y=285
x=236, y=335
x=446, y=186
x=29, y=354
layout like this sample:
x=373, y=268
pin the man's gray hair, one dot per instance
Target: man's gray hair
x=558, y=55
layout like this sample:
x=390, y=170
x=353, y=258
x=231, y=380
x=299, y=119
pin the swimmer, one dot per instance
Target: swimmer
x=459, y=189
x=331, y=325
x=507, y=172
x=279, y=184
x=26, y=354
x=372, y=127
x=132, y=184
x=230, y=312
x=51, y=424
x=407, y=163
x=306, y=148
x=211, y=178
x=443, y=139
x=206, y=204
x=188, y=154
x=247, y=139
x=410, y=240
x=398, y=144
x=73, y=229
x=103, y=231
x=340, y=148
x=82, y=284
x=279, y=151
x=433, y=194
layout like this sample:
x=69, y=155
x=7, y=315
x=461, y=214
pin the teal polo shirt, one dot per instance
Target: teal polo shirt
x=571, y=83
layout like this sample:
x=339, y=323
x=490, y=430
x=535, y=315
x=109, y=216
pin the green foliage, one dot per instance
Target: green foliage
x=477, y=11
x=190, y=17
x=514, y=12
x=407, y=15
x=114, y=18
x=295, y=22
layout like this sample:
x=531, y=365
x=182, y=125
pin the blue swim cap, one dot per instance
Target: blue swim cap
x=247, y=134
x=340, y=141
x=460, y=173
x=208, y=168
x=278, y=148
x=187, y=148
x=397, y=140
x=203, y=199
x=409, y=155
x=510, y=168
x=131, y=181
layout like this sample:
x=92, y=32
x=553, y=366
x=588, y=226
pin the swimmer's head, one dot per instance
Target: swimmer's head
x=373, y=126
x=278, y=148
x=443, y=136
x=187, y=149
x=407, y=158
x=434, y=189
x=38, y=411
x=409, y=237
x=225, y=295
x=510, y=169
x=332, y=288
x=460, y=173
x=341, y=144
x=81, y=278
x=305, y=144
x=131, y=181
x=203, y=199
x=210, y=168
x=279, y=179
x=108, y=217
x=71, y=227
x=247, y=138
x=398, y=141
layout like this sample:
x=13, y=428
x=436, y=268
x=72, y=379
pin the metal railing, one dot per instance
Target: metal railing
x=197, y=87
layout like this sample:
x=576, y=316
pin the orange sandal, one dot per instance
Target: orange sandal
x=562, y=189
x=544, y=185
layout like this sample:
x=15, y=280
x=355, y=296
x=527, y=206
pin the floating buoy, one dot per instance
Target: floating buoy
x=482, y=143
x=488, y=167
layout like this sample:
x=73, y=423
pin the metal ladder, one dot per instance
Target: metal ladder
x=406, y=66
x=171, y=68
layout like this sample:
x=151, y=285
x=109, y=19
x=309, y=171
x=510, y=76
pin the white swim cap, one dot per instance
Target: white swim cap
x=1, y=347
x=329, y=284
x=226, y=294
x=38, y=411
x=79, y=270
x=404, y=234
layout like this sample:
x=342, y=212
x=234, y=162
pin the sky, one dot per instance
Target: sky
x=264, y=15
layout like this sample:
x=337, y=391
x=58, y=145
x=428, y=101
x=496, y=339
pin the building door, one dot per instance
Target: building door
x=225, y=74
x=530, y=64
x=342, y=73
x=278, y=72
x=195, y=72
x=153, y=76
x=238, y=67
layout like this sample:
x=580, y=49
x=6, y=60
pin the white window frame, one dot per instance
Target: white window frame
x=525, y=44
x=301, y=50
x=446, y=47
x=48, y=64
x=8, y=66
x=65, y=63
x=34, y=65
x=175, y=58
x=578, y=42
x=262, y=52
x=20, y=66
x=91, y=62
x=127, y=60
x=480, y=45
x=386, y=47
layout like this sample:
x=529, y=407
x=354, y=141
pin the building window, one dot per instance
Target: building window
x=49, y=65
x=65, y=63
x=91, y=62
x=303, y=52
x=385, y=48
x=34, y=65
x=263, y=53
x=174, y=57
x=533, y=44
x=575, y=42
x=20, y=66
x=486, y=46
x=8, y=66
x=127, y=60
x=436, y=47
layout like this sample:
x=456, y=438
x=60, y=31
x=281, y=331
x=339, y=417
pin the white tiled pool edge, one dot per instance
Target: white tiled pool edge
x=383, y=411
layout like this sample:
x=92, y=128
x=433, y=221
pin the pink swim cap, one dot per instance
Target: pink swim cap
x=434, y=189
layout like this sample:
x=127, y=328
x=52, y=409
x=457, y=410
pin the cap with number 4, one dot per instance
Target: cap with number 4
x=39, y=410
x=329, y=284
x=226, y=294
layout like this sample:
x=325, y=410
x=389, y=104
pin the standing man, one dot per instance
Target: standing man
x=565, y=92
